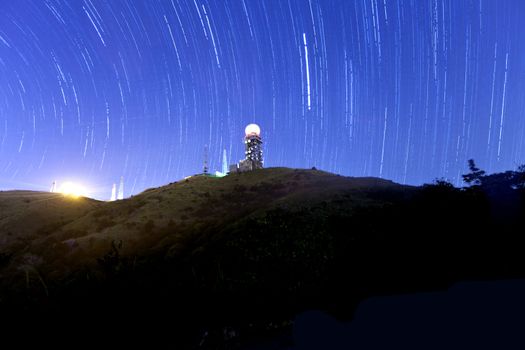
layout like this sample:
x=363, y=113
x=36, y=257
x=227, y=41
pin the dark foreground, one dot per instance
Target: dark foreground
x=246, y=283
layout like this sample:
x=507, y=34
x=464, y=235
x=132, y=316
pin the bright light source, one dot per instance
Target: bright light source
x=252, y=129
x=71, y=189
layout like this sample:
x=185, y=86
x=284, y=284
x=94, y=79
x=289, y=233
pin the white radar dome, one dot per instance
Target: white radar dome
x=252, y=129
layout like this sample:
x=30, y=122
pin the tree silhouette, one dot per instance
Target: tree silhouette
x=441, y=183
x=476, y=175
x=520, y=174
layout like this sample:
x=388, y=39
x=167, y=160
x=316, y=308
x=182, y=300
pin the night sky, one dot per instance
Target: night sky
x=405, y=90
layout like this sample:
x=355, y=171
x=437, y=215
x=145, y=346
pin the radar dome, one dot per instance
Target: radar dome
x=252, y=129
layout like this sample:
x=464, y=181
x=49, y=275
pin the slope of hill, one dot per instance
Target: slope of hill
x=162, y=219
x=27, y=217
x=244, y=253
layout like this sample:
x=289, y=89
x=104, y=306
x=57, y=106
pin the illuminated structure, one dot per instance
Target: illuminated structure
x=205, y=165
x=114, y=193
x=224, y=163
x=224, y=170
x=253, y=153
x=121, y=189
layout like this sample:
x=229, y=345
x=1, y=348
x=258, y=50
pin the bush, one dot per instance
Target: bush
x=112, y=263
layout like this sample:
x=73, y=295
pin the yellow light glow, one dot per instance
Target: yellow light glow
x=71, y=189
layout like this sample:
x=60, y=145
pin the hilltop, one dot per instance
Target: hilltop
x=160, y=220
x=246, y=252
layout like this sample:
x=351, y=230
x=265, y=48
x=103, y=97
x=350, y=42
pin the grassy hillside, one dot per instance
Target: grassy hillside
x=28, y=217
x=162, y=219
x=247, y=251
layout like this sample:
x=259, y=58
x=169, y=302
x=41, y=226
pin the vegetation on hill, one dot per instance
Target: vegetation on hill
x=227, y=259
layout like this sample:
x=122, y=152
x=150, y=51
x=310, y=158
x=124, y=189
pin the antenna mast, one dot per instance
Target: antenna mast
x=205, y=167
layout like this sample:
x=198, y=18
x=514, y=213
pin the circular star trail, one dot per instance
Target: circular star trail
x=93, y=90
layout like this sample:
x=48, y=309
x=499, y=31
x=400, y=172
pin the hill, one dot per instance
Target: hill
x=159, y=220
x=228, y=259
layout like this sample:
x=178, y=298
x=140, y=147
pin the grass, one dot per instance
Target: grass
x=189, y=215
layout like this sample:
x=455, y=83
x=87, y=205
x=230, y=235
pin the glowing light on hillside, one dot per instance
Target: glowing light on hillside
x=71, y=189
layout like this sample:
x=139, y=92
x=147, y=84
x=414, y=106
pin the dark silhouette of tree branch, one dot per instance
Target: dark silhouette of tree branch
x=476, y=175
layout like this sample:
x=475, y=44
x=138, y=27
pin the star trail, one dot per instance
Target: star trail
x=408, y=90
